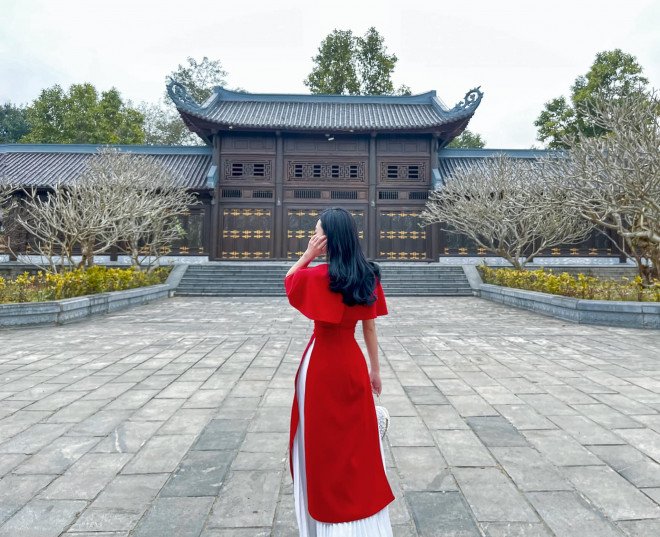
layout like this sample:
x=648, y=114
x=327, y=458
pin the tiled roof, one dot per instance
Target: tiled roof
x=323, y=112
x=45, y=164
x=452, y=159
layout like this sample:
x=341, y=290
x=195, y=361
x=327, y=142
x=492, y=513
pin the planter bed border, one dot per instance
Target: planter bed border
x=618, y=313
x=69, y=310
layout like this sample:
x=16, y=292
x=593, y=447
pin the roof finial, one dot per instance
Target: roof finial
x=179, y=94
x=469, y=103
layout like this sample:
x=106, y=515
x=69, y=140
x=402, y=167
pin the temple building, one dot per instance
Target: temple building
x=273, y=162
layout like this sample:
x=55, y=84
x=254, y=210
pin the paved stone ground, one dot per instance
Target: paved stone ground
x=171, y=420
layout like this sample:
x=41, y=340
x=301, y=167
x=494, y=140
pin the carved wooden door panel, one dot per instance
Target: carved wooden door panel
x=246, y=233
x=301, y=226
x=400, y=236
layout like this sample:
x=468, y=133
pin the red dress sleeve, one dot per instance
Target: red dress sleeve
x=381, y=305
x=378, y=308
x=308, y=290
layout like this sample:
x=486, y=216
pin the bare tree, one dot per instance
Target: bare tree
x=614, y=180
x=120, y=198
x=82, y=212
x=7, y=205
x=152, y=225
x=507, y=207
x=46, y=219
x=150, y=200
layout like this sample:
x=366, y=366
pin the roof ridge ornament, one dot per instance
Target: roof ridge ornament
x=179, y=94
x=469, y=103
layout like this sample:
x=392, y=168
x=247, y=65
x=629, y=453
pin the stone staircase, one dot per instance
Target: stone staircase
x=267, y=279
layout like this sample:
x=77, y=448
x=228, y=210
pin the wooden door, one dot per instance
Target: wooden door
x=246, y=233
x=301, y=226
x=400, y=236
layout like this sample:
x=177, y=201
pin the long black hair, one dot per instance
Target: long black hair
x=351, y=274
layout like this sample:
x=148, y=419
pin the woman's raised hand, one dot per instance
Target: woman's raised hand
x=317, y=246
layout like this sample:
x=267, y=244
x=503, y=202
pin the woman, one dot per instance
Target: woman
x=336, y=455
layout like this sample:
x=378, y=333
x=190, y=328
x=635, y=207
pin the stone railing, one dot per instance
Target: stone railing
x=74, y=309
x=600, y=312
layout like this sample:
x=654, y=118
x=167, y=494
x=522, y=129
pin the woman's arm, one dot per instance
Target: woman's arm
x=370, y=338
x=315, y=248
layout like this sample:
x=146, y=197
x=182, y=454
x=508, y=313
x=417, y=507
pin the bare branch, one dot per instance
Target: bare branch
x=614, y=180
x=508, y=207
x=120, y=199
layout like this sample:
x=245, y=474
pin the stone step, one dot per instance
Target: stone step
x=239, y=285
x=257, y=294
x=267, y=279
x=285, y=270
x=280, y=278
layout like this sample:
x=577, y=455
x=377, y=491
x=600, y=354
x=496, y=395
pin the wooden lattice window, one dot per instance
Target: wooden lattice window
x=418, y=195
x=388, y=195
x=343, y=195
x=394, y=172
x=231, y=193
x=324, y=171
x=248, y=170
x=262, y=194
x=307, y=194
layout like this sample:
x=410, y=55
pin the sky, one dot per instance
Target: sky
x=521, y=53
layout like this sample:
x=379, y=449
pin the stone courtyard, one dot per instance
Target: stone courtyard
x=172, y=419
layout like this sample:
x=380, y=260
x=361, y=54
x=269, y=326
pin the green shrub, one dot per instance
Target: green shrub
x=45, y=286
x=565, y=284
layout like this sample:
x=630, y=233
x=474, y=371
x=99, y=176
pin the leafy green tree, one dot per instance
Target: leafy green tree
x=335, y=71
x=13, y=123
x=468, y=139
x=199, y=77
x=162, y=123
x=352, y=65
x=613, y=74
x=79, y=116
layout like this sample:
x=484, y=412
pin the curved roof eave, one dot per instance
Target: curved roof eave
x=429, y=101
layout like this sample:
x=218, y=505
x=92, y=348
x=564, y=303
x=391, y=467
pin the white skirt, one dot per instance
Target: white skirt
x=377, y=525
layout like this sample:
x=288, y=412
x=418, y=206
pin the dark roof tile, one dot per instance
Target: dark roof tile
x=323, y=112
x=45, y=164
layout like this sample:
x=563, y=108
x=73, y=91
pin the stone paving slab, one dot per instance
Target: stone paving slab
x=173, y=418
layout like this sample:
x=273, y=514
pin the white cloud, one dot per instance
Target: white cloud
x=521, y=53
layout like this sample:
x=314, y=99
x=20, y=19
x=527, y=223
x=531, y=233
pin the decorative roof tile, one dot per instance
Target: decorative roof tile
x=230, y=109
x=45, y=164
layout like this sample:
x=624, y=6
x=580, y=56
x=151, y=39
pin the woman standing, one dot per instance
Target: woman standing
x=336, y=455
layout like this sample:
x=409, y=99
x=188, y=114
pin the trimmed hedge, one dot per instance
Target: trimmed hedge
x=45, y=286
x=564, y=284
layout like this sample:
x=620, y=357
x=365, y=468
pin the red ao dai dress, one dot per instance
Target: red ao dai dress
x=336, y=454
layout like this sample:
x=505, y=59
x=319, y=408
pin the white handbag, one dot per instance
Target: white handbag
x=383, y=418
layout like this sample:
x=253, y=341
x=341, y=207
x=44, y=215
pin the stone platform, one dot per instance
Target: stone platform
x=171, y=420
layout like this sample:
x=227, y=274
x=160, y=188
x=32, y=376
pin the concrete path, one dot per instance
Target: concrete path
x=171, y=420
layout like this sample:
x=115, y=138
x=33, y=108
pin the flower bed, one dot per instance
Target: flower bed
x=43, y=287
x=564, y=284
